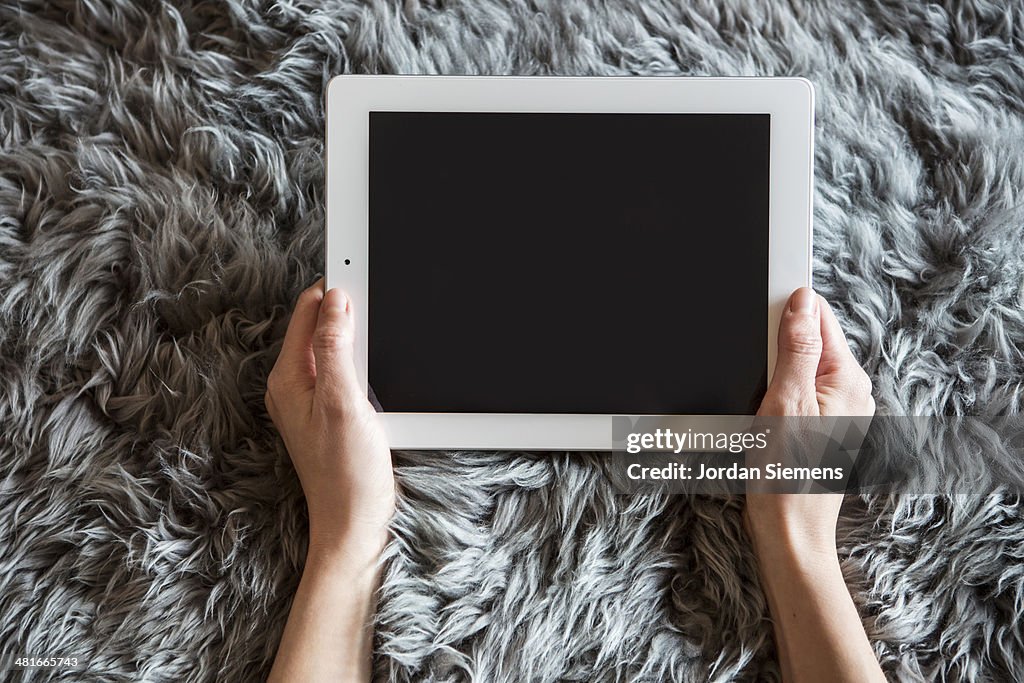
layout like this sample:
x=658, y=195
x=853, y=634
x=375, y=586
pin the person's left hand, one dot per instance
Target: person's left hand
x=333, y=435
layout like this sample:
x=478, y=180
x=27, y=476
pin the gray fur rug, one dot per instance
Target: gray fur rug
x=161, y=205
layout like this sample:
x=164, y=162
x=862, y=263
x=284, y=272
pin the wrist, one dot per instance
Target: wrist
x=792, y=543
x=352, y=542
x=338, y=528
x=354, y=566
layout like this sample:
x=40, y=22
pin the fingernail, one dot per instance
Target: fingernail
x=339, y=300
x=804, y=301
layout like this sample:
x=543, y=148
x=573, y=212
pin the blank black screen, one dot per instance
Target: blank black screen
x=568, y=263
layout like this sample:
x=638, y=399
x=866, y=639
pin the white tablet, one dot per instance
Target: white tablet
x=529, y=257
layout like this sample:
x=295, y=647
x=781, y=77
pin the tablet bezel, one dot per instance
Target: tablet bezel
x=350, y=99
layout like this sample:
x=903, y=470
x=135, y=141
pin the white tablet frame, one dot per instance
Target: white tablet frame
x=350, y=98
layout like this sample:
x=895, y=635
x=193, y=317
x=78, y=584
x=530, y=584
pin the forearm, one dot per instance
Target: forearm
x=329, y=633
x=818, y=632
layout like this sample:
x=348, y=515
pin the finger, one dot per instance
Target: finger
x=835, y=351
x=839, y=369
x=295, y=365
x=333, y=342
x=799, y=352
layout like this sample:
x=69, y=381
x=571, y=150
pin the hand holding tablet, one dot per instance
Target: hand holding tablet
x=334, y=439
x=530, y=256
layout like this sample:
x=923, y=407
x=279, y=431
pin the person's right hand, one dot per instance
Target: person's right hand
x=816, y=374
x=818, y=632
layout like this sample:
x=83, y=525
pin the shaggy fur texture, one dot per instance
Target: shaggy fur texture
x=161, y=205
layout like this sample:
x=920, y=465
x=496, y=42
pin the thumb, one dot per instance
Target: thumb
x=792, y=391
x=333, y=339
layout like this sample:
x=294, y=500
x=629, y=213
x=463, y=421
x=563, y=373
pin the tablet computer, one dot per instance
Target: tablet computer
x=529, y=257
